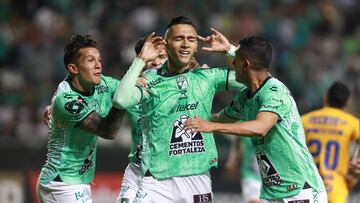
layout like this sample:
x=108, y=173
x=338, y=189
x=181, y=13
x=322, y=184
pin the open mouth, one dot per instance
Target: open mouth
x=184, y=53
x=98, y=74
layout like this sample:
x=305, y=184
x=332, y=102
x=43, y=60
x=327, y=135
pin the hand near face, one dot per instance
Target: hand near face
x=217, y=41
x=152, y=48
x=198, y=124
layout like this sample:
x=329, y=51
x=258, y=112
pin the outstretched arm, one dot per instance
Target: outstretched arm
x=259, y=127
x=126, y=94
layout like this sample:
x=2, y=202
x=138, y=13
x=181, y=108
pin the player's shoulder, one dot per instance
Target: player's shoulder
x=107, y=79
x=209, y=70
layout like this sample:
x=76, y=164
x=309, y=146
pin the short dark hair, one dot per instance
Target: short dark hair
x=338, y=94
x=180, y=20
x=257, y=50
x=139, y=45
x=76, y=42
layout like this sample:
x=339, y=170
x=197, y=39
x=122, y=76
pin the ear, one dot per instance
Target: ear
x=73, y=70
x=246, y=64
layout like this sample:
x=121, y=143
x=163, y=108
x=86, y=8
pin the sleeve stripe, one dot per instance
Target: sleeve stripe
x=280, y=118
x=78, y=123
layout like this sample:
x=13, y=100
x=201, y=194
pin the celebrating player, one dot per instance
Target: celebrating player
x=268, y=115
x=175, y=163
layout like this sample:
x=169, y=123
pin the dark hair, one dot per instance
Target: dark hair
x=139, y=45
x=180, y=20
x=76, y=42
x=338, y=95
x=257, y=50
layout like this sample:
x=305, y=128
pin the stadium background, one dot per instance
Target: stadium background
x=316, y=43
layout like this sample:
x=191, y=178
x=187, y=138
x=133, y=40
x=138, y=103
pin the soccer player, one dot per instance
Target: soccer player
x=269, y=116
x=243, y=150
x=81, y=111
x=329, y=134
x=133, y=175
x=175, y=162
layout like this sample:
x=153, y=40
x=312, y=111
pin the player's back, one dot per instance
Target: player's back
x=329, y=133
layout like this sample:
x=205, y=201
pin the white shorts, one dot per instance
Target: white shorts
x=250, y=189
x=187, y=189
x=130, y=184
x=308, y=195
x=59, y=192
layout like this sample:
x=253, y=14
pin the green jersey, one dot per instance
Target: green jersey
x=248, y=168
x=169, y=150
x=71, y=150
x=135, y=115
x=284, y=160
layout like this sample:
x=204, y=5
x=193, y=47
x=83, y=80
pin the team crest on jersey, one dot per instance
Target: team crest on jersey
x=268, y=172
x=75, y=106
x=184, y=141
x=183, y=85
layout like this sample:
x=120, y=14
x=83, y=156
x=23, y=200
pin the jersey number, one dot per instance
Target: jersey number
x=332, y=149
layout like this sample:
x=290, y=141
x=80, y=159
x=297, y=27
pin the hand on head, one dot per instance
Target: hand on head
x=152, y=47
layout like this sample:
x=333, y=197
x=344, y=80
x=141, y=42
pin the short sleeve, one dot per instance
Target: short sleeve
x=275, y=99
x=68, y=110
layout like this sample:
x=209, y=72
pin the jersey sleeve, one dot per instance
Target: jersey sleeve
x=68, y=110
x=275, y=99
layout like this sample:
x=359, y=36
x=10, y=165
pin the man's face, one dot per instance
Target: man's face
x=181, y=44
x=89, y=67
x=158, y=61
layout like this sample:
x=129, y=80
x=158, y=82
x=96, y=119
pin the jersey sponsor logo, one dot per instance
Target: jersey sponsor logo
x=75, y=106
x=154, y=82
x=88, y=163
x=184, y=141
x=203, y=198
x=184, y=107
x=82, y=196
x=183, y=85
x=102, y=89
x=268, y=172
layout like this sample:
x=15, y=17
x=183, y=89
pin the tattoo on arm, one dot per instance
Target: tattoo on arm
x=104, y=127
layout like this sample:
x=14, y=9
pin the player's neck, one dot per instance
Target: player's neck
x=177, y=68
x=82, y=87
x=256, y=80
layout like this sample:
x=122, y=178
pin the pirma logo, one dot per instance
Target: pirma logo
x=183, y=141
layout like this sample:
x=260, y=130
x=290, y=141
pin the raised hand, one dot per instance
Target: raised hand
x=217, y=41
x=152, y=47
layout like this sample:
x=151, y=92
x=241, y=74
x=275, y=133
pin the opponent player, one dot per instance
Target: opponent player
x=329, y=134
x=78, y=116
x=268, y=115
x=176, y=168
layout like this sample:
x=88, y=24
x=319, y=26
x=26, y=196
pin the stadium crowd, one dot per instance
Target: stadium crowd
x=316, y=42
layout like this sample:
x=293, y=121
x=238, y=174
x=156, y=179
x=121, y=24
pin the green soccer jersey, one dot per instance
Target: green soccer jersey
x=71, y=150
x=248, y=168
x=135, y=115
x=169, y=150
x=284, y=160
